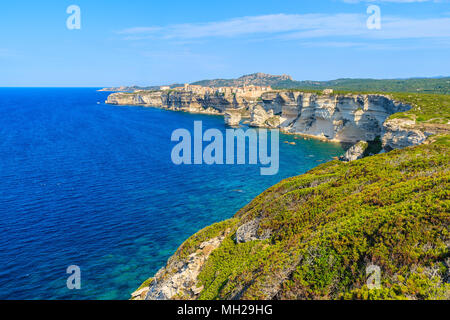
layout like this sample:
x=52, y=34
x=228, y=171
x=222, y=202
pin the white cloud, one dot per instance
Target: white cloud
x=298, y=26
x=275, y=23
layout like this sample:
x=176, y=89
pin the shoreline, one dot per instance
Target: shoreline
x=241, y=125
x=197, y=252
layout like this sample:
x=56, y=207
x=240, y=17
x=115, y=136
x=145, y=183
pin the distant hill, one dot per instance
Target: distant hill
x=421, y=85
x=257, y=79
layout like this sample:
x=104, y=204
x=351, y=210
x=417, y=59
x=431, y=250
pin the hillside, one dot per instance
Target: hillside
x=416, y=85
x=313, y=236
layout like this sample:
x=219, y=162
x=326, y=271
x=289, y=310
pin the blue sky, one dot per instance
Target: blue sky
x=160, y=42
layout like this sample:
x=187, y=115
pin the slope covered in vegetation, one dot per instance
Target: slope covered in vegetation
x=327, y=226
x=426, y=108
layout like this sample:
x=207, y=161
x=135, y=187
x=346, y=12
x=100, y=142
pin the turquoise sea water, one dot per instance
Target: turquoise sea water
x=88, y=184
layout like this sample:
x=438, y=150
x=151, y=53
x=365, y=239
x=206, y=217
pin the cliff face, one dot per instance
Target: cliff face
x=345, y=118
x=401, y=133
x=315, y=236
x=184, y=100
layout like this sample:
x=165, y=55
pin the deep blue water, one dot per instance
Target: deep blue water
x=93, y=185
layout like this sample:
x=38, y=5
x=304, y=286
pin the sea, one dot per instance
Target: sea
x=93, y=185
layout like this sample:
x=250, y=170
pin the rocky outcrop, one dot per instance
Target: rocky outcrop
x=264, y=119
x=344, y=118
x=401, y=133
x=251, y=231
x=150, y=98
x=178, y=279
x=232, y=117
x=177, y=100
x=355, y=152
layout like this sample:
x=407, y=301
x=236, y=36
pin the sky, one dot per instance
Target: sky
x=147, y=42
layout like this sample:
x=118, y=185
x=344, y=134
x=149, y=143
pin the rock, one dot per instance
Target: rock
x=250, y=231
x=258, y=116
x=197, y=290
x=140, y=294
x=177, y=100
x=401, y=133
x=232, y=117
x=178, y=279
x=355, y=152
x=261, y=118
x=346, y=118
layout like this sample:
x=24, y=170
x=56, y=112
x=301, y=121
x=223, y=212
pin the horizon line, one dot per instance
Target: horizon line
x=179, y=82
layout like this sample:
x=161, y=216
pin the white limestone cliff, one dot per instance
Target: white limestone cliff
x=232, y=117
x=344, y=118
x=355, y=152
x=336, y=117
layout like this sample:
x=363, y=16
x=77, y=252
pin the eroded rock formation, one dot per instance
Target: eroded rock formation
x=336, y=117
x=355, y=152
x=178, y=279
x=401, y=133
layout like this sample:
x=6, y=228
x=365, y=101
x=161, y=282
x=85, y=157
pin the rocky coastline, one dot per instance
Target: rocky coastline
x=357, y=119
x=347, y=118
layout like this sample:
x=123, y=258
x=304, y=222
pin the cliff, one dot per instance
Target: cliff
x=215, y=103
x=336, y=117
x=315, y=236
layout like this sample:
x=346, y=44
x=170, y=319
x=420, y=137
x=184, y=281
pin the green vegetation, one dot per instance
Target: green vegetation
x=146, y=283
x=431, y=108
x=374, y=147
x=391, y=210
x=416, y=85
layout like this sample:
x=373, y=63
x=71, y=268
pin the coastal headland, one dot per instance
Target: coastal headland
x=384, y=207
